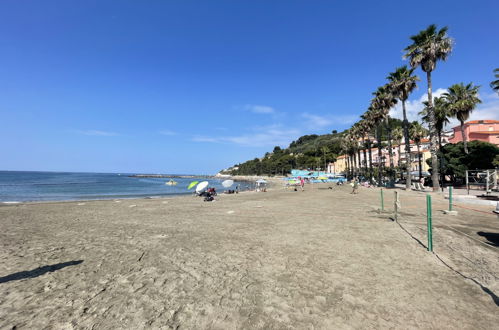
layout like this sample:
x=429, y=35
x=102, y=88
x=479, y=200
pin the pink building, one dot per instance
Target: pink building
x=481, y=130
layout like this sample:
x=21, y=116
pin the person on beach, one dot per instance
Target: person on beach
x=355, y=186
x=302, y=184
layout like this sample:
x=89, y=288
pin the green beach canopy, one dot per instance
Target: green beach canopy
x=192, y=184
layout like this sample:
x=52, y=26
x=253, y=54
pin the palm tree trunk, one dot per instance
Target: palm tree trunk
x=433, y=137
x=405, y=123
x=354, y=155
x=398, y=163
x=440, y=162
x=359, y=161
x=380, y=174
x=390, y=152
x=419, y=161
x=370, y=161
x=365, y=156
x=465, y=142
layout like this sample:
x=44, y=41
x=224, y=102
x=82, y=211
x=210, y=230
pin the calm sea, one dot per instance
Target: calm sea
x=51, y=186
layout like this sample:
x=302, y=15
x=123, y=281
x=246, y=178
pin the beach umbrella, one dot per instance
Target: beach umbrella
x=192, y=184
x=261, y=181
x=227, y=183
x=201, y=186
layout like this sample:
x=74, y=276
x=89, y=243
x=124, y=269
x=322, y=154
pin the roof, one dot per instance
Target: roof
x=485, y=132
x=486, y=121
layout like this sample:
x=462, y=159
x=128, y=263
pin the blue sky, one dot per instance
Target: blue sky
x=196, y=86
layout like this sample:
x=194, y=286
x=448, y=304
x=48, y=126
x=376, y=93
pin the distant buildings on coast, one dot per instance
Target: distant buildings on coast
x=481, y=130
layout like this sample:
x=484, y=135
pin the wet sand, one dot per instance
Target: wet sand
x=276, y=260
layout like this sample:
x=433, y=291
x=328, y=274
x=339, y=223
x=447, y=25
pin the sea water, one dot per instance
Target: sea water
x=56, y=186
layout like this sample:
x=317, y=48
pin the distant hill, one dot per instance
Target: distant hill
x=307, y=152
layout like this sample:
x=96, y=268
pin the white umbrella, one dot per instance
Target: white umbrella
x=227, y=183
x=201, y=186
x=261, y=181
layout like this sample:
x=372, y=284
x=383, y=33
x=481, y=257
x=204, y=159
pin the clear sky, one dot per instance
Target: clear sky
x=197, y=86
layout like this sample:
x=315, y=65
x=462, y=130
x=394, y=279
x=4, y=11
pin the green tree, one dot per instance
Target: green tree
x=402, y=83
x=462, y=100
x=427, y=48
x=481, y=156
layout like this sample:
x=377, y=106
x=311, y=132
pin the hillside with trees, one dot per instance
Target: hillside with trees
x=307, y=152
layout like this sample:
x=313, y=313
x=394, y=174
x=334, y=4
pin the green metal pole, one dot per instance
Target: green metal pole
x=382, y=201
x=428, y=217
x=450, y=198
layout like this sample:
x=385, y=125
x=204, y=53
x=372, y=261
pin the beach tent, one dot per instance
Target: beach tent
x=260, y=181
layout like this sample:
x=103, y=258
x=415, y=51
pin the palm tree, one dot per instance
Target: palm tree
x=462, y=100
x=368, y=126
x=495, y=84
x=428, y=47
x=381, y=104
x=356, y=134
x=364, y=131
x=398, y=134
x=418, y=132
x=402, y=83
x=325, y=150
x=442, y=114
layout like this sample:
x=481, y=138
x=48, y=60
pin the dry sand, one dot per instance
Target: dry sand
x=320, y=259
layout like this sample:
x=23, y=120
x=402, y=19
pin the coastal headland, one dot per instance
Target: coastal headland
x=321, y=258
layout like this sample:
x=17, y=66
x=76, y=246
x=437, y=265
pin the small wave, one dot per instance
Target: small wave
x=10, y=202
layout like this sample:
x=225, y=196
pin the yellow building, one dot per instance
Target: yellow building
x=339, y=166
x=425, y=154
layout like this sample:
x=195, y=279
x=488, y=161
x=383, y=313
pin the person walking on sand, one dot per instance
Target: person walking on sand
x=302, y=184
x=355, y=186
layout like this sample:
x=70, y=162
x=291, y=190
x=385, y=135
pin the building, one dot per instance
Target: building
x=341, y=162
x=478, y=130
x=339, y=166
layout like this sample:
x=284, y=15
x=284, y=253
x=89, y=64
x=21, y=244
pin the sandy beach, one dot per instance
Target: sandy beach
x=319, y=259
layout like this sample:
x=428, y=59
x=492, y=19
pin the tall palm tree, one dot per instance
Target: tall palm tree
x=356, y=134
x=381, y=104
x=462, y=100
x=325, y=151
x=428, y=47
x=398, y=134
x=364, y=132
x=402, y=83
x=442, y=115
x=418, y=132
x=495, y=84
x=368, y=127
